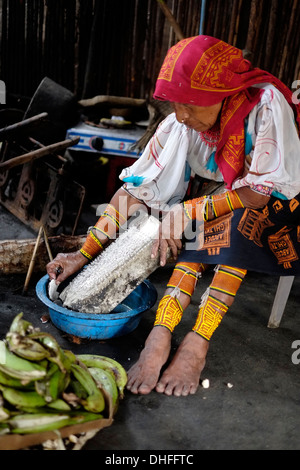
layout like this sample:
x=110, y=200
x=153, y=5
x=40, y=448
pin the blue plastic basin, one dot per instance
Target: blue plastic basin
x=121, y=321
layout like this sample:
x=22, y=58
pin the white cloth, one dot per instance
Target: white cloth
x=161, y=175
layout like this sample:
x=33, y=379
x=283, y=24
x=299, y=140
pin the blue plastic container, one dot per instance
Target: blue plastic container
x=124, y=318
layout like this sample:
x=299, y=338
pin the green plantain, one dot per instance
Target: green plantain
x=12, y=361
x=4, y=414
x=77, y=388
x=28, y=423
x=51, y=386
x=108, y=364
x=95, y=400
x=26, y=347
x=10, y=381
x=23, y=399
x=106, y=381
x=20, y=326
x=56, y=353
x=24, y=376
x=4, y=429
x=59, y=404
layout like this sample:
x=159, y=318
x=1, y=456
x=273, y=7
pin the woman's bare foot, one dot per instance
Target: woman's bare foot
x=143, y=376
x=183, y=374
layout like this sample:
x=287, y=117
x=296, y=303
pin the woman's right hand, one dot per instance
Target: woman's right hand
x=170, y=234
x=65, y=264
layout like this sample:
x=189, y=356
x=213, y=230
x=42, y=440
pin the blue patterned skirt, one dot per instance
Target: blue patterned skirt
x=265, y=240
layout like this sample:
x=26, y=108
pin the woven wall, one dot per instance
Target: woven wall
x=116, y=47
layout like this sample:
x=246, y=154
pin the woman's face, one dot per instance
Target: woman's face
x=199, y=118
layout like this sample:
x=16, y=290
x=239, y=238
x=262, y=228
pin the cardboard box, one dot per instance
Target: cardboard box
x=22, y=441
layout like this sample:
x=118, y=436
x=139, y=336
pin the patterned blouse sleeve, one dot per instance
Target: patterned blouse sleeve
x=160, y=176
x=272, y=162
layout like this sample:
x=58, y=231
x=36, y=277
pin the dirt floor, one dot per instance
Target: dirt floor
x=259, y=411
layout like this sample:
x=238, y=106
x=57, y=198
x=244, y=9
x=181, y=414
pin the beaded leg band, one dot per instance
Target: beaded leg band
x=209, y=317
x=227, y=280
x=220, y=204
x=169, y=313
x=106, y=228
x=225, y=284
x=184, y=277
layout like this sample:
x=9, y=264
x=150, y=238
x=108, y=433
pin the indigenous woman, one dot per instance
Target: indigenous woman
x=233, y=124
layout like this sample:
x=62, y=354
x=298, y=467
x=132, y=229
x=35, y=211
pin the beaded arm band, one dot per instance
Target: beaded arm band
x=107, y=226
x=91, y=247
x=221, y=204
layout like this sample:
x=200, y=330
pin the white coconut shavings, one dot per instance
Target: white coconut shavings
x=111, y=275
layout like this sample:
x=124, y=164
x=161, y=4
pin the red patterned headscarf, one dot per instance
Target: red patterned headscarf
x=203, y=71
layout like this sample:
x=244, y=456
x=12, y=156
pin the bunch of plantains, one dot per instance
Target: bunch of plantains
x=44, y=387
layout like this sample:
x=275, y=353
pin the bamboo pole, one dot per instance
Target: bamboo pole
x=168, y=14
x=252, y=26
x=271, y=39
x=287, y=42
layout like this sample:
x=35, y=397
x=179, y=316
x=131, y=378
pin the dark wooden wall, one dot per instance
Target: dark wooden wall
x=116, y=47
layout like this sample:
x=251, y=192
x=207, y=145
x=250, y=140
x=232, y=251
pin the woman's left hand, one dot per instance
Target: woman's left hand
x=170, y=234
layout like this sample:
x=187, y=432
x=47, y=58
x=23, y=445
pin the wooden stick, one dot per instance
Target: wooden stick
x=168, y=14
x=37, y=153
x=13, y=129
x=32, y=261
x=36, y=142
x=112, y=101
x=47, y=244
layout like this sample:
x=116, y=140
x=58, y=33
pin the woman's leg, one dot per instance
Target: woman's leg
x=183, y=375
x=219, y=297
x=143, y=376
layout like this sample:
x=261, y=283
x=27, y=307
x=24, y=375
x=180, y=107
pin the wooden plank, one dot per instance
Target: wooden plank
x=15, y=255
